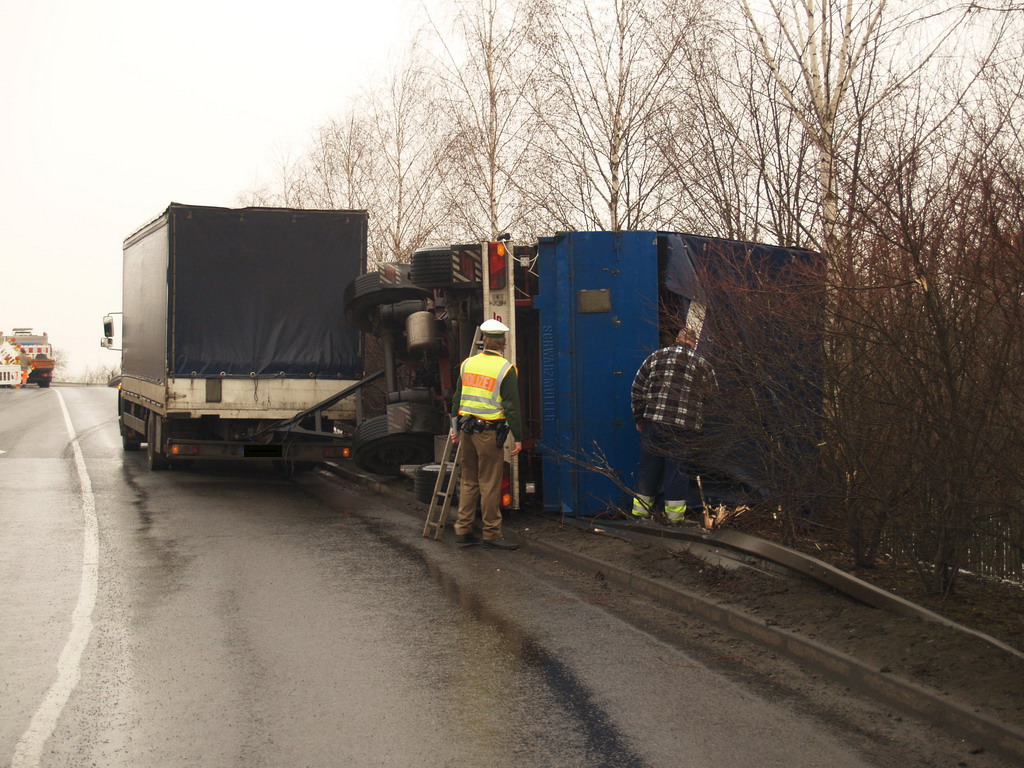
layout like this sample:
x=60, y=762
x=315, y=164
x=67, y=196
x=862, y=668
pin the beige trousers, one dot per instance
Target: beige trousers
x=483, y=463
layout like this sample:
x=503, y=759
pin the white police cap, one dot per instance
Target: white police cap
x=493, y=328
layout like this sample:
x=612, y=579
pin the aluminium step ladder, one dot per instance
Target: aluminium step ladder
x=437, y=514
x=441, y=501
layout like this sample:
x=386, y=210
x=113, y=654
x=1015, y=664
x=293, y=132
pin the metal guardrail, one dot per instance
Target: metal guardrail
x=798, y=562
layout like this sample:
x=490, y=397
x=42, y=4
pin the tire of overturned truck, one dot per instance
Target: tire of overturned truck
x=425, y=479
x=367, y=292
x=377, y=451
x=432, y=268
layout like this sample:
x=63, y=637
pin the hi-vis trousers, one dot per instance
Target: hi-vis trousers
x=663, y=464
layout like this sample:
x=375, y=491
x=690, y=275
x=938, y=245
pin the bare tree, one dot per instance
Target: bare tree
x=482, y=74
x=60, y=362
x=739, y=165
x=827, y=48
x=383, y=155
x=287, y=191
x=924, y=420
x=598, y=99
x=340, y=163
x=405, y=131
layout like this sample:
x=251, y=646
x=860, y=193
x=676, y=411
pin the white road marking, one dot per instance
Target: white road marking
x=29, y=750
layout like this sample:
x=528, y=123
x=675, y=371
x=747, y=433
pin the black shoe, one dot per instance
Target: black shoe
x=465, y=539
x=501, y=543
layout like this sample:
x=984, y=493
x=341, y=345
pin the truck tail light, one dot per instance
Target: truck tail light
x=182, y=449
x=497, y=266
x=337, y=453
x=506, y=491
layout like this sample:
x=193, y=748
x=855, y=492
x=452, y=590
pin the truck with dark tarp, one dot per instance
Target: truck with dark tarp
x=234, y=344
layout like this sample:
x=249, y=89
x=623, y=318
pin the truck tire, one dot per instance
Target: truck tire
x=288, y=468
x=367, y=292
x=431, y=268
x=44, y=384
x=377, y=451
x=426, y=477
x=155, y=458
x=435, y=268
x=130, y=439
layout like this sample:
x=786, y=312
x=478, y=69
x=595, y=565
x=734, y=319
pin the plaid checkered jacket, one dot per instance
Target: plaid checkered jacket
x=672, y=386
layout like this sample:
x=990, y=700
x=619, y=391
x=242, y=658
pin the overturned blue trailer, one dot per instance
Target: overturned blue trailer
x=605, y=301
x=585, y=309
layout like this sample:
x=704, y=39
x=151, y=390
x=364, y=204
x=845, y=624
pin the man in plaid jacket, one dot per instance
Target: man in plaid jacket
x=668, y=397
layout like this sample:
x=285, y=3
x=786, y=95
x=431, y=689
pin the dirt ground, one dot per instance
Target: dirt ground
x=949, y=662
x=953, y=665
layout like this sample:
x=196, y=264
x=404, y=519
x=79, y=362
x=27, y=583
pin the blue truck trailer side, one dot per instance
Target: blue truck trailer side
x=606, y=300
x=598, y=305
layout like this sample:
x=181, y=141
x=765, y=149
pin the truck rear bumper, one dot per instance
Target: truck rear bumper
x=290, y=451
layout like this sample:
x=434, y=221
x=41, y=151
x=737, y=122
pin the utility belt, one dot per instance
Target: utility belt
x=473, y=424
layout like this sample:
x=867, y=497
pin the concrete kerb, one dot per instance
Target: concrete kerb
x=901, y=695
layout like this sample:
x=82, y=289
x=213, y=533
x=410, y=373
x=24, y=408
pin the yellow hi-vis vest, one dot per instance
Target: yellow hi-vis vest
x=481, y=386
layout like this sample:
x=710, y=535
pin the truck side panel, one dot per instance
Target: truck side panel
x=273, y=398
x=145, y=328
x=598, y=321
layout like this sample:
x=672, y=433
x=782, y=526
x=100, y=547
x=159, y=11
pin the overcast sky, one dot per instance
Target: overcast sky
x=111, y=109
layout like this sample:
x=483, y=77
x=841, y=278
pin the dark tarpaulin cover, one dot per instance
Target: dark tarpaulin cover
x=740, y=458
x=259, y=291
x=680, y=271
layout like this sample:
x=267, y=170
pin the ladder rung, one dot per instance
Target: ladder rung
x=440, y=503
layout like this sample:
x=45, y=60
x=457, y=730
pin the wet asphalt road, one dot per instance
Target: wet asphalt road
x=229, y=616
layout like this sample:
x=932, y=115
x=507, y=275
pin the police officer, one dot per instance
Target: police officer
x=485, y=409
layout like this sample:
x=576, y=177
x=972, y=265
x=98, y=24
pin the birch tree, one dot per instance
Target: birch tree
x=405, y=132
x=482, y=72
x=827, y=49
x=598, y=99
x=737, y=156
x=341, y=163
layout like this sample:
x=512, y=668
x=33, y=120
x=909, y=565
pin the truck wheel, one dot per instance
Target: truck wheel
x=426, y=477
x=44, y=385
x=130, y=439
x=155, y=458
x=431, y=268
x=367, y=292
x=374, y=450
x=289, y=468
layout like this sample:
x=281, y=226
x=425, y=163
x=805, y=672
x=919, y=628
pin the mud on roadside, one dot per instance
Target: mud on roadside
x=968, y=671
